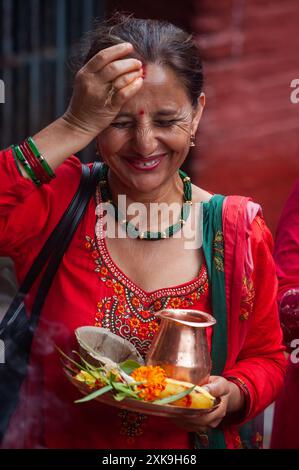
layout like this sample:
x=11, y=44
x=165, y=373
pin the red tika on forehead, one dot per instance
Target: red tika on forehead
x=141, y=112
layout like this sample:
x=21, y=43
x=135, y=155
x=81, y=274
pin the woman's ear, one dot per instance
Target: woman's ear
x=197, y=113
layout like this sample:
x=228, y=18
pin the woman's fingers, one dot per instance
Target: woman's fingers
x=217, y=386
x=124, y=94
x=105, y=56
x=119, y=67
x=126, y=79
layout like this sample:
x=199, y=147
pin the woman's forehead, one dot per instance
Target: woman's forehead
x=162, y=92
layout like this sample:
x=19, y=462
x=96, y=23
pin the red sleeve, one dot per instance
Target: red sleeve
x=261, y=363
x=28, y=213
x=287, y=245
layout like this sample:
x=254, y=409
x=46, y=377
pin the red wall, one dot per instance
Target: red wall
x=248, y=141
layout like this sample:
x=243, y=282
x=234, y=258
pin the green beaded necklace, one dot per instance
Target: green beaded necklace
x=130, y=228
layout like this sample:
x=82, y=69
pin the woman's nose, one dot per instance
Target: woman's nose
x=144, y=140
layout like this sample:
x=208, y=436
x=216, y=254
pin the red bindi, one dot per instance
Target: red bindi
x=141, y=112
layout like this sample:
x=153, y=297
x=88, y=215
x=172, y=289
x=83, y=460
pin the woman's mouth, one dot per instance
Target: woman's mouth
x=145, y=164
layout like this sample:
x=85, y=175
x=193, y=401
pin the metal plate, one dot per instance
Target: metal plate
x=168, y=411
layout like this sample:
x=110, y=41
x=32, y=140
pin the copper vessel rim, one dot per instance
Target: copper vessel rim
x=197, y=324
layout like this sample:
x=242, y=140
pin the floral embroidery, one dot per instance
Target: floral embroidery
x=238, y=443
x=218, y=250
x=127, y=313
x=203, y=439
x=131, y=424
x=247, y=298
x=258, y=440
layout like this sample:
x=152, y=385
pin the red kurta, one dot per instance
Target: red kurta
x=89, y=289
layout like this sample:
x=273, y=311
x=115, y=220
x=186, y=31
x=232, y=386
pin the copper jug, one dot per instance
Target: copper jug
x=180, y=346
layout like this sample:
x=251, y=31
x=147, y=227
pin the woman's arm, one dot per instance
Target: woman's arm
x=261, y=364
x=88, y=114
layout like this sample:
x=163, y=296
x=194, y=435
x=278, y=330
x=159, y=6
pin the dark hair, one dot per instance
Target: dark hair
x=154, y=42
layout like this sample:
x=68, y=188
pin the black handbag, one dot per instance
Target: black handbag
x=17, y=328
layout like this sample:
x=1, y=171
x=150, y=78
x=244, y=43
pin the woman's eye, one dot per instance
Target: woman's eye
x=121, y=125
x=167, y=123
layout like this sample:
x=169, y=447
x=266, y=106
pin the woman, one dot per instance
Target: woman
x=139, y=96
x=285, y=426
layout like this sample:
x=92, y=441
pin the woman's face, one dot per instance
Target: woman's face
x=150, y=137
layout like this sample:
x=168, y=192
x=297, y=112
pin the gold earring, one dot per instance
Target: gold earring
x=192, y=140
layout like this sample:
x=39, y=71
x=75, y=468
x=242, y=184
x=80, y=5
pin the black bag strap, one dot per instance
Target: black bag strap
x=55, y=246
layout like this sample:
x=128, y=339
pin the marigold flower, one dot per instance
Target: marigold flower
x=154, y=378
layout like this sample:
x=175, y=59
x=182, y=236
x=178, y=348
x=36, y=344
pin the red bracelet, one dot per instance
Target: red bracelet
x=34, y=163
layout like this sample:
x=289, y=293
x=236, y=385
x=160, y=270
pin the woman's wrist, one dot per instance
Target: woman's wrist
x=60, y=140
x=239, y=402
x=236, y=400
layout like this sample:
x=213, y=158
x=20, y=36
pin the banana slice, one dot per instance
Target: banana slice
x=198, y=398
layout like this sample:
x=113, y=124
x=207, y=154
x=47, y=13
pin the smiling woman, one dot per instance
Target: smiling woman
x=138, y=94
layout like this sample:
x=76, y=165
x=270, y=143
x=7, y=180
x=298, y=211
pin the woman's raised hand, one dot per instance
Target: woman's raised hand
x=101, y=88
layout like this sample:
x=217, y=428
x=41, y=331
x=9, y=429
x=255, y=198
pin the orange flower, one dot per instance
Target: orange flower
x=175, y=302
x=154, y=378
x=99, y=304
x=121, y=309
x=135, y=302
x=134, y=322
x=153, y=326
x=194, y=296
x=118, y=288
x=157, y=305
x=104, y=271
x=143, y=332
x=88, y=245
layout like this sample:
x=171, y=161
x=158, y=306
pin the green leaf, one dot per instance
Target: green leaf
x=73, y=372
x=95, y=394
x=172, y=398
x=120, y=396
x=124, y=389
x=129, y=366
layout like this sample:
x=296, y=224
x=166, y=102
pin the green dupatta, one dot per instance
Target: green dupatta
x=213, y=248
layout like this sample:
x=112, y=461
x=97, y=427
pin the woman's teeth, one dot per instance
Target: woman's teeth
x=145, y=164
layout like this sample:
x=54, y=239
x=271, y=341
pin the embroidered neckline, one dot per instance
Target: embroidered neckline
x=146, y=296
